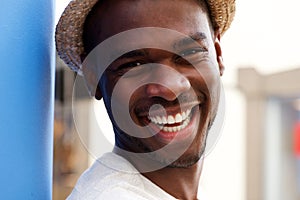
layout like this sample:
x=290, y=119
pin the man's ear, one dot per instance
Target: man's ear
x=82, y=57
x=219, y=54
x=98, y=94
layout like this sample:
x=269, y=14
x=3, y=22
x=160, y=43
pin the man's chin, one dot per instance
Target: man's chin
x=185, y=162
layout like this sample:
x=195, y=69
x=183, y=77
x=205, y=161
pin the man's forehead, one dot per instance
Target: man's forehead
x=154, y=38
x=183, y=16
x=163, y=10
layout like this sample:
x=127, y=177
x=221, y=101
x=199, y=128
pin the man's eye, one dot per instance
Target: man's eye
x=190, y=56
x=189, y=52
x=130, y=69
x=130, y=65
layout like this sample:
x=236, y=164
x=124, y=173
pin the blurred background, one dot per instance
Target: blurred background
x=257, y=156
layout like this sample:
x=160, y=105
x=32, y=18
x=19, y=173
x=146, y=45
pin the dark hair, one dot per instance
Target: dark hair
x=88, y=36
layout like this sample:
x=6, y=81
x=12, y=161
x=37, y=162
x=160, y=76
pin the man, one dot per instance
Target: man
x=156, y=64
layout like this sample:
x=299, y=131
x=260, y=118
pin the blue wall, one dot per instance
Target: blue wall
x=26, y=98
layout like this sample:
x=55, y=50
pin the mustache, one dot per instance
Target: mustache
x=156, y=103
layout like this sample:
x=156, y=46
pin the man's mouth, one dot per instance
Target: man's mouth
x=172, y=123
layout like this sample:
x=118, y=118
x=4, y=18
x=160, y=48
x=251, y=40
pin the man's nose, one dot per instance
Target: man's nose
x=167, y=83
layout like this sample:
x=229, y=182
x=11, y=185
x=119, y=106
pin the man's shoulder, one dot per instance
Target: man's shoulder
x=107, y=173
x=113, y=177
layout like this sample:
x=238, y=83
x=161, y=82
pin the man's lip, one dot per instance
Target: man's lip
x=170, y=110
x=187, y=131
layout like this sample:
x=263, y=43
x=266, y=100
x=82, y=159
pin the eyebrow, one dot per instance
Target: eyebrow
x=132, y=54
x=196, y=37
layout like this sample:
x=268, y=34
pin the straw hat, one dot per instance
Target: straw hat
x=69, y=29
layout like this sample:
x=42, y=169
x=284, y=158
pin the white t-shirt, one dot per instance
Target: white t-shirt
x=112, y=177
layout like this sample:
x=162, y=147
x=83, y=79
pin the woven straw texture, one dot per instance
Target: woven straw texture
x=69, y=29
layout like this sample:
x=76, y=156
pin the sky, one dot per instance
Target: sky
x=265, y=35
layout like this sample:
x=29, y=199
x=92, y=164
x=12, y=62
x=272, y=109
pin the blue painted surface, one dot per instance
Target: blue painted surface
x=26, y=98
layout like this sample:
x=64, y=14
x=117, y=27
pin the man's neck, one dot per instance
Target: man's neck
x=182, y=183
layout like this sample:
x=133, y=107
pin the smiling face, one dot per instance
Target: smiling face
x=171, y=93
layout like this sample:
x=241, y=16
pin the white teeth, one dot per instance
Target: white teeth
x=176, y=128
x=164, y=120
x=188, y=112
x=186, y=122
x=184, y=116
x=171, y=119
x=178, y=118
x=159, y=121
x=153, y=119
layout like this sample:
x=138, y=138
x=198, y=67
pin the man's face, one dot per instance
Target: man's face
x=172, y=97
